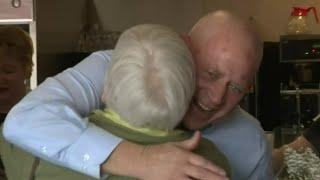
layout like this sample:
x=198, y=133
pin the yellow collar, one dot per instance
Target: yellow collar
x=115, y=118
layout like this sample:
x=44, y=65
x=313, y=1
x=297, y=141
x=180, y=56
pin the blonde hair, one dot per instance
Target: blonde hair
x=151, y=77
x=16, y=43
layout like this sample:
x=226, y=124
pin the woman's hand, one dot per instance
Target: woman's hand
x=165, y=161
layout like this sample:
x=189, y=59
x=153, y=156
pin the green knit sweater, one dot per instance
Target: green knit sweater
x=21, y=165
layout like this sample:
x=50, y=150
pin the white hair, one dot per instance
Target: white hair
x=151, y=78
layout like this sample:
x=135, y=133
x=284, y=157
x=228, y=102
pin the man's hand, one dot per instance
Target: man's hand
x=165, y=161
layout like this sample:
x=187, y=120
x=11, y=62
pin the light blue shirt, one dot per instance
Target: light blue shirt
x=50, y=122
x=240, y=137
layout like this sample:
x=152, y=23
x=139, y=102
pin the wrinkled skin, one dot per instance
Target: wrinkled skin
x=226, y=62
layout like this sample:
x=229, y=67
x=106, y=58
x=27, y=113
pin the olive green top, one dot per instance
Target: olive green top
x=21, y=165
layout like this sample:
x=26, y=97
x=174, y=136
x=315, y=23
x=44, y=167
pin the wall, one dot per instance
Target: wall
x=59, y=21
x=58, y=25
x=121, y=14
x=271, y=16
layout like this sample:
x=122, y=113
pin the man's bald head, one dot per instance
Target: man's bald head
x=224, y=26
x=227, y=53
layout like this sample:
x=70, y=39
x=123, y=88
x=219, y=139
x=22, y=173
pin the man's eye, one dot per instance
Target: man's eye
x=213, y=75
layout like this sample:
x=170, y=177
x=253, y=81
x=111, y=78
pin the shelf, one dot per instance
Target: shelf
x=300, y=91
x=24, y=11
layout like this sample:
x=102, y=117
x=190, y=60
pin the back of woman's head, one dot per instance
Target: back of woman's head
x=17, y=44
x=151, y=78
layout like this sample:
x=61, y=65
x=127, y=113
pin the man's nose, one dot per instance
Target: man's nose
x=217, y=95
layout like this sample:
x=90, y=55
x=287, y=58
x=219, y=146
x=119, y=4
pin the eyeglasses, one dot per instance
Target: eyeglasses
x=236, y=88
x=202, y=101
x=233, y=86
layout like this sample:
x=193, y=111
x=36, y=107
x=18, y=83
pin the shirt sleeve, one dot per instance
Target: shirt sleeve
x=263, y=170
x=51, y=121
x=241, y=138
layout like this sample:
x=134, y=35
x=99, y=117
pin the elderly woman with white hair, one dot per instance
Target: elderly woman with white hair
x=148, y=87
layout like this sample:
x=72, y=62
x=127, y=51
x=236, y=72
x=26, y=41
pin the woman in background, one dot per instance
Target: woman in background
x=16, y=52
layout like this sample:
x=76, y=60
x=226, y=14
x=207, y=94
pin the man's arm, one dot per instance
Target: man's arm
x=264, y=168
x=49, y=121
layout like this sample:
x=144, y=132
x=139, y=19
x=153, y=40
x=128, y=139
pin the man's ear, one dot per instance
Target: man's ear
x=186, y=38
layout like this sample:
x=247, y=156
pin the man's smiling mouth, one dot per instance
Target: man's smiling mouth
x=204, y=108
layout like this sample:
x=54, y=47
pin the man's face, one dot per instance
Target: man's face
x=224, y=73
x=12, y=76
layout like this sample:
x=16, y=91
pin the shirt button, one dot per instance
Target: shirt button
x=86, y=157
x=84, y=168
x=44, y=149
